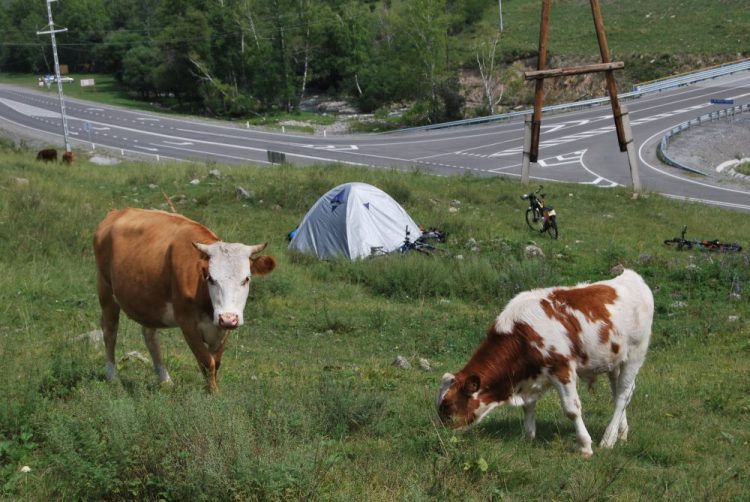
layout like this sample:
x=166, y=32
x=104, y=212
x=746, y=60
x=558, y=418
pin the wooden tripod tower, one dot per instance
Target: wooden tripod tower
x=622, y=121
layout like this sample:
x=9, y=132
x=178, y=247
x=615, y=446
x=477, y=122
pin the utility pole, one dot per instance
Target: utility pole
x=500, y=11
x=51, y=31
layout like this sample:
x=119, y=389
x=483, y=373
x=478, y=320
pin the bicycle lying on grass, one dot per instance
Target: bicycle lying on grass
x=540, y=217
x=715, y=245
x=420, y=244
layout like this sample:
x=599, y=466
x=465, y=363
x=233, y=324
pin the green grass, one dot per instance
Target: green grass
x=636, y=27
x=310, y=405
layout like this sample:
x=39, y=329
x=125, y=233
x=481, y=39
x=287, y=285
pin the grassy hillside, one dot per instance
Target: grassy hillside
x=310, y=405
x=637, y=27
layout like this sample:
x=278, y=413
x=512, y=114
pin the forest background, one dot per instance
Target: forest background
x=427, y=61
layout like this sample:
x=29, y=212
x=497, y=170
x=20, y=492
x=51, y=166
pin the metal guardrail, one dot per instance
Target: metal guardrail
x=661, y=152
x=636, y=92
x=691, y=78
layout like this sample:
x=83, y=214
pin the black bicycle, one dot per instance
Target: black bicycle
x=539, y=216
x=715, y=245
x=419, y=245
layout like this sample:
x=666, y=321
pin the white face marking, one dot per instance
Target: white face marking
x=445, y=385
x=228, y=278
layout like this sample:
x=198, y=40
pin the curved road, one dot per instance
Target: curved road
x=578, y=146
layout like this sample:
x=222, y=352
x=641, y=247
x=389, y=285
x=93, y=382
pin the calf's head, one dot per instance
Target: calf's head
x=458, y=402
x=227, y=271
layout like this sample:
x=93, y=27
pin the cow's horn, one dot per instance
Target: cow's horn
x=203, y=248
x=257, y=248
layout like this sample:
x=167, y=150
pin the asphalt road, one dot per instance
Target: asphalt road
x=579, y=147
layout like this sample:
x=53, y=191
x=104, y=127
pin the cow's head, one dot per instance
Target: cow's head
x=458, y=403
x=227, y=274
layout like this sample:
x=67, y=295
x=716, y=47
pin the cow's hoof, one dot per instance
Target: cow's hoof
x=166, y=384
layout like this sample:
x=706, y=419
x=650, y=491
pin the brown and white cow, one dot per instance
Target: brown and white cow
x=549, y=337
x=165, y=270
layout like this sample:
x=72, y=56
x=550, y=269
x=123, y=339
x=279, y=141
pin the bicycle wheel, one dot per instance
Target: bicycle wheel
x=425, y=248
x=534, y=220
x=552, y=227
x=730, y=247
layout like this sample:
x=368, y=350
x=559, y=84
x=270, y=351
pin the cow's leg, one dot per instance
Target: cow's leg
x=571, y=405
x=109, y=322
x=194, y=338
x=151, y=337
x=529, y=419
x=625, y=387
x=218, y=351
x=622, y=430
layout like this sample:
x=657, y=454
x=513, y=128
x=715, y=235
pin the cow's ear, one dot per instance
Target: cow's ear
x=262, y=265
x=471, y=385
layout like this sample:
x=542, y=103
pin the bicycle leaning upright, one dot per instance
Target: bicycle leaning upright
x=539, y=216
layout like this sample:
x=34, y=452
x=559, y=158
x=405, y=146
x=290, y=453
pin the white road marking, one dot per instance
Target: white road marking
x=332, y=148
x=29, y=110
x=687, y=180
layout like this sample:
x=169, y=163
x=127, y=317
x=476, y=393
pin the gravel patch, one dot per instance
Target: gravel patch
x=711, y=144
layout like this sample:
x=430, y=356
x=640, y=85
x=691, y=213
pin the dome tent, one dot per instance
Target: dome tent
x=351, y=219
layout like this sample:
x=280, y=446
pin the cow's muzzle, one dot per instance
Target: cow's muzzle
x=229, y=321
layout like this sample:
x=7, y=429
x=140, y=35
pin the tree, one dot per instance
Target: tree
x=110, y=54
x=87, y=23
x=23, y=49
x=422, y=33
x=489, y=71
x=139, y=70
x=185, y=39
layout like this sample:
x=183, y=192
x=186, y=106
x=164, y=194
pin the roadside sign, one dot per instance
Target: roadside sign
x=276, y=157
x=87, y=126
x=87, y=82
x=721, y=101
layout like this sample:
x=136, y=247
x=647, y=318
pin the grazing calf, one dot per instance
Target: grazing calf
x=47, y=155
x=165, y=270
x=68, y=157
x=548, y=337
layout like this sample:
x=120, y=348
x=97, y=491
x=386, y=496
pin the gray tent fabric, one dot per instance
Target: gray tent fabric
x=351, y=219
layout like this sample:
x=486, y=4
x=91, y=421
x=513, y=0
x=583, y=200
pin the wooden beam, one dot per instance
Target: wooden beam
x=611, y=84
x=573, y=70
x=536, y=123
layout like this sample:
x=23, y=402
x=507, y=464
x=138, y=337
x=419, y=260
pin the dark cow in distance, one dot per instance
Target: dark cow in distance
x=549, y=337
x=165, y=270
x=47, y=155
